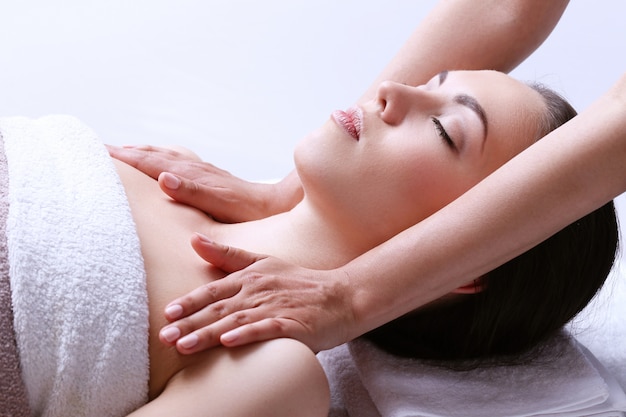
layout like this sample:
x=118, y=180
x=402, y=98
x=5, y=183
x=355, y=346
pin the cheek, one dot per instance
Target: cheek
x=325, y=148
x=422, y=186
x=324, y=166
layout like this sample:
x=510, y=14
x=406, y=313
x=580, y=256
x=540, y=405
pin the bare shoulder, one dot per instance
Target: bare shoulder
x=280, y=377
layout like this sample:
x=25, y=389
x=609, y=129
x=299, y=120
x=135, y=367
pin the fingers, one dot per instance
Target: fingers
x=204, y=297
x=190, y=335
x=188, y=180
x=224, y=197
x=257, y=331
x=196, y=309
x=234, y=330
x=189, y=192
x=230, y=327
x=148, y=159
x=265, y=329
x=226, y=258
x=205, y=307
x=257, y=304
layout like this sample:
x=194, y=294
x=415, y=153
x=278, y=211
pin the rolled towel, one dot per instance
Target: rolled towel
x=76, y=271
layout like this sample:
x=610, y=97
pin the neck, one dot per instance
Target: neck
x=303, y=236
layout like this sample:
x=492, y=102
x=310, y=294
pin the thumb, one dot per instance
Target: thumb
x=224, y=257
x=185, y=191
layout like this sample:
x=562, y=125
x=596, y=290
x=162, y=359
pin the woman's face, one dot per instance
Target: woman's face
x=381, y=167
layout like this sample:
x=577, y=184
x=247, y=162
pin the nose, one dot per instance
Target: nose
x=397, y=100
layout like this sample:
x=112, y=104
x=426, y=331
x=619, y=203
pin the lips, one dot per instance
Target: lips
x=350, y=120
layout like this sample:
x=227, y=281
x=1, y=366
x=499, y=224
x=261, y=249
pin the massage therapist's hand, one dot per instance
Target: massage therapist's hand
x=257, y=304
x=185, y=178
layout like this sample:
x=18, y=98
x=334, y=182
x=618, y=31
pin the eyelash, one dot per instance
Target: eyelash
x=443, y=134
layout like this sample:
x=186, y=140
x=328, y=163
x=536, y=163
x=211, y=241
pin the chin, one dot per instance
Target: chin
x=315, y=157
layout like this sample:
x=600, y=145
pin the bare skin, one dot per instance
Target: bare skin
x=280, y=378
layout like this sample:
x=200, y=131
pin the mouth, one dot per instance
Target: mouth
x=350, y=120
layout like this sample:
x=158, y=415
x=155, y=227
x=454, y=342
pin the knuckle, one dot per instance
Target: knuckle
x=206, y=336
x=276, y=326
x=206, y=293
x=192, y=188
x=209, y=290
x=240, y=318
x=229, y=251
x=199, y=298
x=217, y=310
x=255, y=278
x=185, y=325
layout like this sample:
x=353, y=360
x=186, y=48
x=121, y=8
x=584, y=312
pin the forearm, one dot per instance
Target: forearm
x=467, y=34
x=566, y=175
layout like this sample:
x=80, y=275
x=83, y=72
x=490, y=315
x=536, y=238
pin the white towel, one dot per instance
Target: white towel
x=348, y=395
x=560, y=381
x=601, y=326
x=77, y=277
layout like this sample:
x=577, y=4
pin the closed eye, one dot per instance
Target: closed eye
x=443, y=134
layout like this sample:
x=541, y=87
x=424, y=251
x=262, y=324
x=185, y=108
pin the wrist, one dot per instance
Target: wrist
x=357, y=314
x=283, y=195
x=337, y=300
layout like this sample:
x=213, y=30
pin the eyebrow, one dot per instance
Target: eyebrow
x=469, y=102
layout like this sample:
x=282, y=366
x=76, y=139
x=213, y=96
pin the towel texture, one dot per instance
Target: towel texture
x=12, y=391
x=76, y=271
x=559, y=380
x=348, y=395
x=601, y=326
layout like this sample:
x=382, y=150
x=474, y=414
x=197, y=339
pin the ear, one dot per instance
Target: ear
x=472, y=287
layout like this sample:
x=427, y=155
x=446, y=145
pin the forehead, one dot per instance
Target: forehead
x=512, y=108
x=499, y=94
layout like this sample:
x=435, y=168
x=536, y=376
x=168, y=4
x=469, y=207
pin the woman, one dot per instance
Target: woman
x=367, y=174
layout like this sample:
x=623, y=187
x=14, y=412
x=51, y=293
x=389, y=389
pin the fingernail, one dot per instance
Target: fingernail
x=171, y=181
x=203, y=238
x=230, y=336
x=188, y=341
x=170, y=333
x=174, y=311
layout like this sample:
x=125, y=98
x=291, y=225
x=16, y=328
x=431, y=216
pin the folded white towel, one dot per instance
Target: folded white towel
x=559, y=381
x=601, y=326
x=616, y=400
x=348, y=395
x=76, y=270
